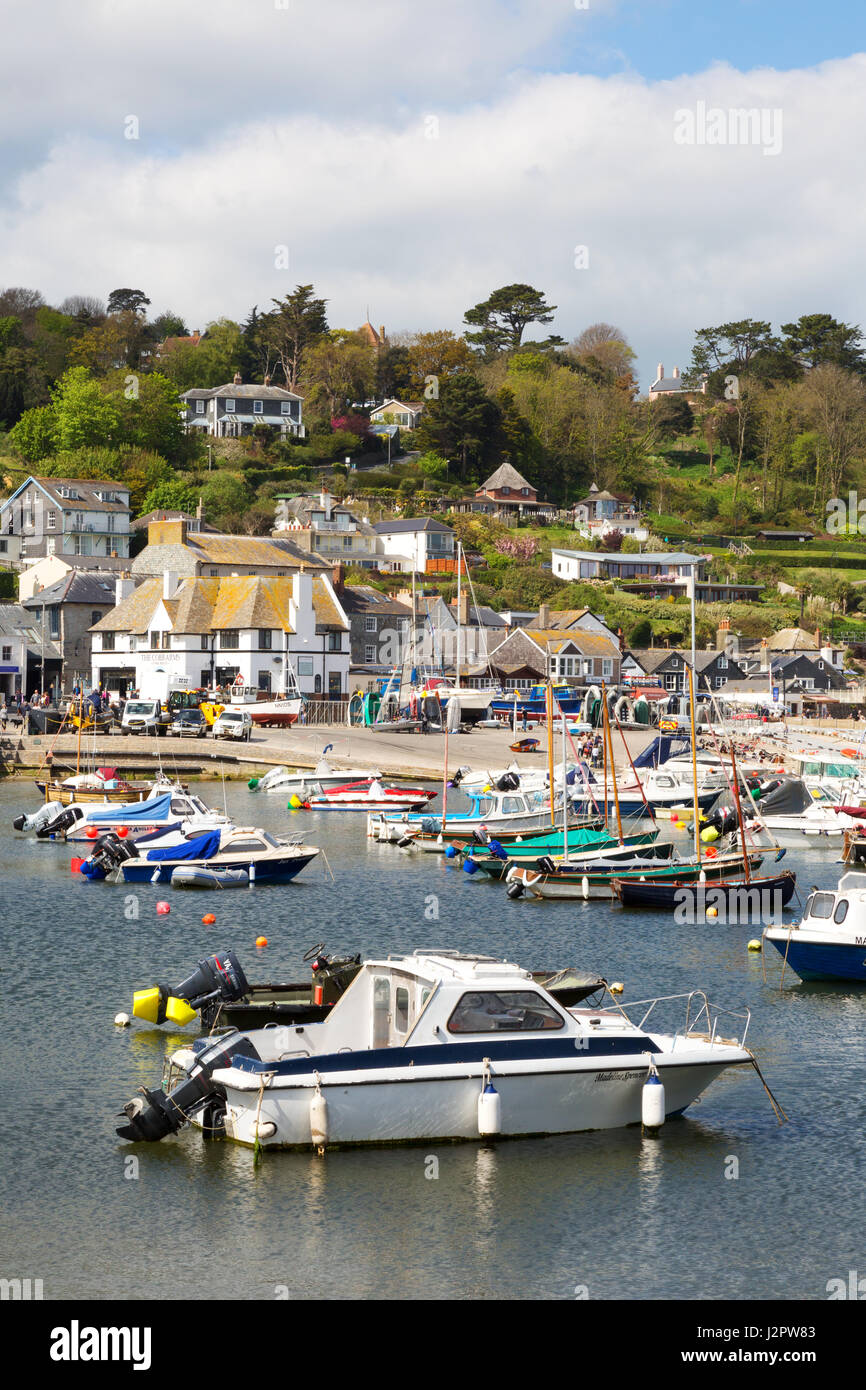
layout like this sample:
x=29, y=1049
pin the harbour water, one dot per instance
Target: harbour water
x=726, y=1203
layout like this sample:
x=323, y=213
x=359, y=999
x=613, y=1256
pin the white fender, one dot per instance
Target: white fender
x=319, y=1119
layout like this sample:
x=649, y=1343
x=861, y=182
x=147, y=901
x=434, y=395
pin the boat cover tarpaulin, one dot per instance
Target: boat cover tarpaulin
x=788, y=799
x=202, y=847
x=660, y=750
x=133, y=813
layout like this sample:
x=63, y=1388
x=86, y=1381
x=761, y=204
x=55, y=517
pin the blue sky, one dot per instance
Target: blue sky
x=664, y=38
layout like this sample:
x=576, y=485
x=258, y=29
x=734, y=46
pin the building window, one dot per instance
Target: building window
x=154, y=641
x=204, y=642
x=51, y=520
x=230, y=407
x=347, y=542
x=722, y=663
x=265, y=680
x=229, y=639
x=258, y=409
x=265, y=639
x=607, y=668
x=671, y=681
x=204, y=682
x=369, y=624
x=166, y=641
x=305, y=665
x=506, y=491
x=108, y=641
x=95, y=616
x=4, y=547
x=335, y=641
x=369, y=652
x=199, y=407
x=54, y=621
x=7, y=653
x=213, y=571
x=318, y=685
x=285, y=407
x=720, y=681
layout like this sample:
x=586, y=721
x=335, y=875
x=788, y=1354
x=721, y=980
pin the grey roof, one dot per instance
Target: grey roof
x=362, y=598
x=651, y=658
x=672, y=557
x=670, y=384
x=86, y=490
x=419, y=523
x=75, y=587
x=242, y=391
x=481, y=616
x=15, y=621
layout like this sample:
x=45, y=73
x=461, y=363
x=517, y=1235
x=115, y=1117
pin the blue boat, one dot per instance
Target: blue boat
x=830, y=941
x=532, y=704
x=263, y=858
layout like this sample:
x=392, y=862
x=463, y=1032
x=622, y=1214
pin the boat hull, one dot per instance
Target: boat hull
x=762, y=896
x=277, y=870
x=563, y=1095
x=821, y=960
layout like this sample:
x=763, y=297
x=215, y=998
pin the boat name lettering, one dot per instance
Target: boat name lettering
x=620, y=1076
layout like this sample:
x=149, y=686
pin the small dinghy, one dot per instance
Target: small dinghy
x=196, y=876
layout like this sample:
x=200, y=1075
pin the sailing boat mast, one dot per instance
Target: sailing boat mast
x=739, y=810
x=695, y=762
x=548, y=702
x=459, y=626
x=608, y=742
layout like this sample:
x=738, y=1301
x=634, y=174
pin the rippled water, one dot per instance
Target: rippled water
x=625, y=1216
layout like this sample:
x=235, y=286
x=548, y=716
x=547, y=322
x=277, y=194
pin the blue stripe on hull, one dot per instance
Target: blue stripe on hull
x=824, y=962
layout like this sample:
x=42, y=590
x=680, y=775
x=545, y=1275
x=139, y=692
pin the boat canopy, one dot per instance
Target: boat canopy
x=202, y=847
x=662, y=748
x=789, y=798
x=135, y=813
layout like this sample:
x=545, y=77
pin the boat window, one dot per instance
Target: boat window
x=512, y=804
x=510, y=1011
x=841, y=910
x=179, y=807
x=245, y=847
x=822, y=905
x=664, y=781
x=401, y=1009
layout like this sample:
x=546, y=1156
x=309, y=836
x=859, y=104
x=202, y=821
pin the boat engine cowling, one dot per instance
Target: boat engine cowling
x=42, y=819
x=108, y=854
x=59, y=824
x=153, y=1114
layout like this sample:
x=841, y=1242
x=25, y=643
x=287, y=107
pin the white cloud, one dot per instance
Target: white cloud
x=418, y=229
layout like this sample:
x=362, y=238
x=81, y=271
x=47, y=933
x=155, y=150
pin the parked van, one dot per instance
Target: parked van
x=144, y=717
x=233, y=723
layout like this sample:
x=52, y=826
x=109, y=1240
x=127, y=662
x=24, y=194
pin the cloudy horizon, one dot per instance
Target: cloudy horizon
x=408, y=163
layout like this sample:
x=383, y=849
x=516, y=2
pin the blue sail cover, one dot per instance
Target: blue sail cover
x=133, y=813
x=662, y=748
x=202, y=847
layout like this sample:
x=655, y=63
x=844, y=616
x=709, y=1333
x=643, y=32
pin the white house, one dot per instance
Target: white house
x=394, y=412
x=418, y=545
x=662, y=567
x=212, y=631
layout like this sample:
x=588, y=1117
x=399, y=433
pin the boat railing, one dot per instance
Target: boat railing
x=702, y=1017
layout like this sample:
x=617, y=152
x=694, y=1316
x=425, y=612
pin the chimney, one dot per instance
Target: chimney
x=267, y=381
x=237, y=379
x=168, y=532
x=463, y=611
x=123, y=587
x=619, y=638
x=818, y=638
x=544, y=616
x=199, y=511
x=765, y=655
x=722, y=631
x=676, y=373
x=661, y=371
x=382, y=333
x=169, y=583
x=338, y=577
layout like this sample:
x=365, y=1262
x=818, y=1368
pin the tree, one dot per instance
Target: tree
x=225, y=498
x=167, y=325
x=836, y=402
x=438, y=354
x=463, y=424
x=84, y=415
x=20, y=302
x=150, y=415
x=170, y=496
x=502, y=318
x=605, y=352
x=86, y=309
x=127, y=301
x=393, y=373
x=729, y=348
x=34, y=437
x=295, y=324
x=672, y=415
x=819, y=338
x=339, y=369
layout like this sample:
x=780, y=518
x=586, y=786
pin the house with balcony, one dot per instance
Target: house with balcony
x=213, y=631
x=658, y=571
x=418, y=545
x=66, y=517
x=323, y=526
x=529, y=655
x=507, y=496
x=234, y=409
x=599, y=513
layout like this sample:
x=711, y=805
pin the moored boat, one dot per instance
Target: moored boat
x=829, y=942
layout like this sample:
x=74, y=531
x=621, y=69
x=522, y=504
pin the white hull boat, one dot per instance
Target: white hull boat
x=438, y=1046
x=302, y=783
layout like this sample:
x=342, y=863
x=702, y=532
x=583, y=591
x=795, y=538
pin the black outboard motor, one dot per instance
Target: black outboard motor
x=724, y=820
x=153, y=1114
x=332, y=976
x=59, y=826
x=108, y=854
x=508, y=782
x=219, y=976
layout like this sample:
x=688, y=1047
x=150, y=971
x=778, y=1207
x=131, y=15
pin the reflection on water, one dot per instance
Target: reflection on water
x=624, y=1215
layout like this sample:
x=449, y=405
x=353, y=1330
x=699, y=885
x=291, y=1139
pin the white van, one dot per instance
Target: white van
x=233, y=723
x=144, y=717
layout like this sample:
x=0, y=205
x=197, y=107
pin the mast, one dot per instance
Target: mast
x=694, y=758
x=608, y=739
x=445, y=772
x=548, y=701
x=739, y=810
x=564, y=792
x=459, y=629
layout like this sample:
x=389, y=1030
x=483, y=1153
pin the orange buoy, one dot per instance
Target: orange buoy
x=208, y=919
x=163, y=908
x=75, y=865
x=123, y=831
x=711, y=852
x=261, y=941
x=91, y=832
x=674, y=817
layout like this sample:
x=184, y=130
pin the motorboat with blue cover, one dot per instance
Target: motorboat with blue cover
x=223, y=851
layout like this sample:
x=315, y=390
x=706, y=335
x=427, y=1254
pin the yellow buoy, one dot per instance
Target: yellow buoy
x=712, y=912
x=617, y=988
x=754, y=945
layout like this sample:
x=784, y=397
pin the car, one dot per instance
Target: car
x=188, y=723
x=233, y=723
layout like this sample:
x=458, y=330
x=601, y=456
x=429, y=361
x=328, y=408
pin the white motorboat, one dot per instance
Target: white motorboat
x=369, y=796
x=302, y=783
x=830, y=941
x=173, y=809
x=794, y=813
x=441, y=1046
x=496, y=811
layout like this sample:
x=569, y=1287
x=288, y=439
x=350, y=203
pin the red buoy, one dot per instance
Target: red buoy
x=208, y=919
x=163, y=908
x=75, y=865
x=91, y=832
x=123, y=831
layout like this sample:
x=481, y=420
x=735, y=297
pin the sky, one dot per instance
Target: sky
x=408, y=158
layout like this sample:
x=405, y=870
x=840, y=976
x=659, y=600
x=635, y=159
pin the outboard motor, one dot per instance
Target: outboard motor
x=219, y=979
x=332, y=976
x=508, y=782
x=108, y=854
x=45, y=816
x=481, y=836
x=153, y=1114
x=59, y=824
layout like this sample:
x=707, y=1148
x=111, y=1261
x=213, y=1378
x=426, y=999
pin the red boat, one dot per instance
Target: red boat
x=370, y=796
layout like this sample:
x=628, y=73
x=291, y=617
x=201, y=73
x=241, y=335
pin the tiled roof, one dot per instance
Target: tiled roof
x=361, y=598
x=75, y=587
x=86, y=489
x=326, y=610
x=135, y=612
x=792, y=639
x=587, y=643
x=242, y=391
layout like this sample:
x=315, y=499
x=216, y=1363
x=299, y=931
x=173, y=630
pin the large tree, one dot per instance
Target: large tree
x=463, y=424
x=84, y=415
x=127, y=301
x=818, y=338
x=339, y=370
x=437, y=355
x=502, y=318
x=294, y=324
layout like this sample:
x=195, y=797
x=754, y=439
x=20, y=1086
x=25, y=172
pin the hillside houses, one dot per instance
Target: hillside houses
x=234, y=409
x=66, y=517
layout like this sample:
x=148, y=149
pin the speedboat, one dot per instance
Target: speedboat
x=261, y=856
x=315, y=780
x=439, y=1046
x=794, y=813
x=496, y=810
x=158, y=812
x=829, y=943
x=369, y=796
